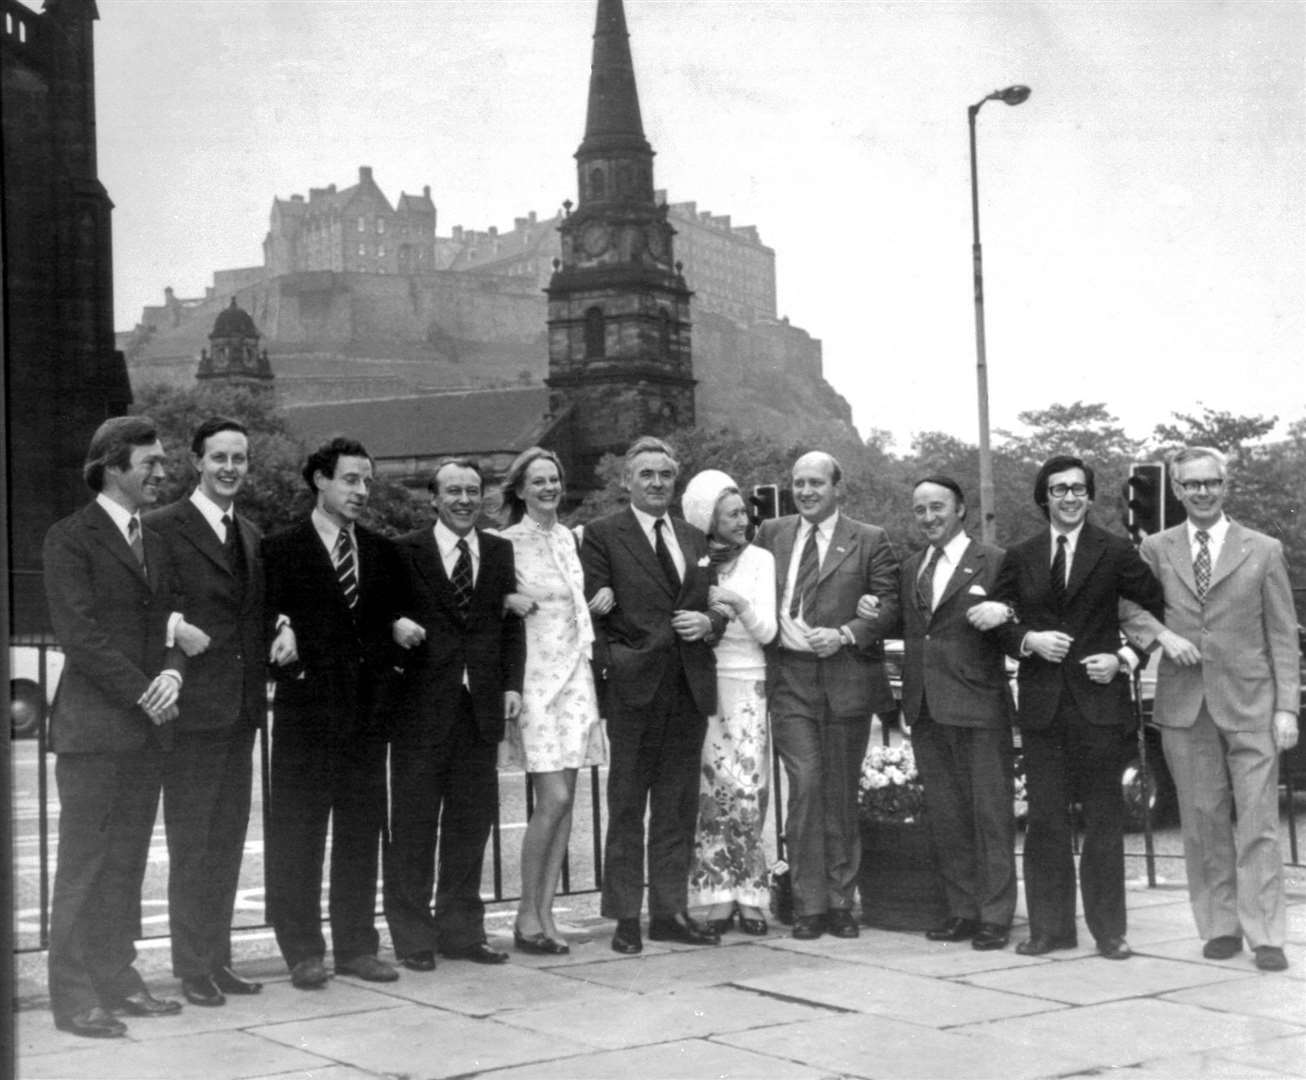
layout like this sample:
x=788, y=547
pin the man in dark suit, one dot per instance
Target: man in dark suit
x=660, y=687
x=108, y=583
x=956, y=698
x=333, y=603
x=826, y=676
x=1065, y=585
x=207, y=775
x=463, y=677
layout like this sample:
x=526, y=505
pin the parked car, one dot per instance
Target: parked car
x=27, y=708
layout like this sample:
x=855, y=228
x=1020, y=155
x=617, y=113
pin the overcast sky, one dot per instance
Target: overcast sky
x=1144, y=213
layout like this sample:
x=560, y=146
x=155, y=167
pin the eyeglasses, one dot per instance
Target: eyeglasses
x=1060, y=491
x=1193, y=487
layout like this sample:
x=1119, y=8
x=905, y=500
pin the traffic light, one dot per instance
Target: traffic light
x=1150, y=501
x=764, y=503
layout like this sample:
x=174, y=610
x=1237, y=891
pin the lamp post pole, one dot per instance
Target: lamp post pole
x=1012, y=95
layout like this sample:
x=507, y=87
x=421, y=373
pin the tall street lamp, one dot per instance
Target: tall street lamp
x=1012, y=95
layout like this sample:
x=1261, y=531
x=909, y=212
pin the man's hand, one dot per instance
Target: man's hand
x=519, y=604
x=284, y=650
x=603, y=601
x=691, y=625
x=1101, y=667
x=1179, y=649
x=824, y=640
x=987, y=614
x=159, y=717
x=192, y=639
x=1285, y=730
x=1051, y=645
x=726, y=601
x=161, y=693
x=511, y=704
x=407, y=633
x=868, y=607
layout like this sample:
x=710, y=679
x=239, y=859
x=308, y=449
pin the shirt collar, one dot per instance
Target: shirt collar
x=955, y=548
x=1216, y=532
x=119, y=513
x=647, y=521
x=447, y=540
x=328, y=530
x=212, y=512
x=824, y=529
x=1072, y=538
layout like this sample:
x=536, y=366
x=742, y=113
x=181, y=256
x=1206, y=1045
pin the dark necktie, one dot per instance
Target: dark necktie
x=462, y=578
x=925, y=581
x=1202, y=564
x=664, y=553
x=1058, y=573
x=134, y=539
x=234, y=550
x=809, y=567
x=346, y=573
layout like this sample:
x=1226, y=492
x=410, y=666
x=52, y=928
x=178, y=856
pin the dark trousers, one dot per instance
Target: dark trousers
x=443, y=795
x=207, y=778
x=822, y=755
x=107, y=806
x=968, y=799
x=1074, y=761
x=316, y=780
x=653, y=767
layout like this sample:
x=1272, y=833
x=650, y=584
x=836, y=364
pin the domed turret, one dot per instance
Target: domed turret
x=234, y=355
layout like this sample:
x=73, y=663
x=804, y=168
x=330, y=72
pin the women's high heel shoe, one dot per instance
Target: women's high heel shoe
x=757, y=927
x=722, y=925
x=538, y=944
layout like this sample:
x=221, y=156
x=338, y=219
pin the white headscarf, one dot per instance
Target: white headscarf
x=701, y=496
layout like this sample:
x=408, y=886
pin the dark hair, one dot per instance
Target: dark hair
x=433, y=485
x=1053, y=465
x=211, y=427
x=513, y=504
x=112, y=446
x=325, y=458
x=948, y=482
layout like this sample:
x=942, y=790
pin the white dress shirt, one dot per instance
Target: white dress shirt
x=1215, y=542
x=446, y=541
x=668, y=534
x=947, y=565
x=792, y=631
x=328, y=532
x=213, y=514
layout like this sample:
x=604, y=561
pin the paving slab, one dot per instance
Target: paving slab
x=930, y=1002
x=330, y=1072
x=217, y=1055
x=878, y=1048
x=667, y=1061
x=1094, y=979
x=691, y=967
x=420, y=1043
x=1199, y=1067
x=1285, y=1056
x=1255, y=994
x=692, y=1012
x=1121, y=1033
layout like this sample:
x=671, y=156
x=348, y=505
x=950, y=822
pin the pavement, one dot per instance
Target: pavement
x=886, y=1005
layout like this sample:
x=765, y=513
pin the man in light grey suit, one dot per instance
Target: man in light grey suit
x=1227, y=696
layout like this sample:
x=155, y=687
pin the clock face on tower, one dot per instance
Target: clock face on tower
x=594, y=238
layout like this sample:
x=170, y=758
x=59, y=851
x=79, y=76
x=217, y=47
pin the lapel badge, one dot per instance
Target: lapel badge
x=967, y=570
x=840, y=550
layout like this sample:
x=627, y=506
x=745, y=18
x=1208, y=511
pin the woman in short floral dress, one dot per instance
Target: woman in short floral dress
x=730, y=866
x=559, y=728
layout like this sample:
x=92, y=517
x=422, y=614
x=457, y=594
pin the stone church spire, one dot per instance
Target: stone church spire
x=613, y=120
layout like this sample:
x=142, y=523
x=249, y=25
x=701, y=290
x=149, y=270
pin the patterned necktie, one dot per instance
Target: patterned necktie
x=462, y=578
x=232, y=546
x=809, y=566
x=1202, y=564
x=925, y=581
x=1058, y=573
x=134, y=539
x=664, y=553
x=346, y=574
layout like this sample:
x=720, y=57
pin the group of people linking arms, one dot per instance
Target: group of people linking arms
x=401, y=666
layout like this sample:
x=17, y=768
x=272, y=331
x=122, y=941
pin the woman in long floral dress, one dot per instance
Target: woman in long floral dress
x=730, y=867
x=559, y=728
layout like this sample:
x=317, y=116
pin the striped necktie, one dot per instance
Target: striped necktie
x=809, y=568
x=134, y=539
x=461, y=580
x=346, y=570
x=925, y=582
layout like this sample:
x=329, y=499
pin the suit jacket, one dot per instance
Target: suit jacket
x=111, y=618
x=345, y=657
x=1105, y=568
x=859, y=560
x=960, y=671
x=228, y=681
x=489, y=645
x=635, y=641
x=1246, y=630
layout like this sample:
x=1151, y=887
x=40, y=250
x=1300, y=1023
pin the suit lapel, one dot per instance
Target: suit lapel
x=198, y=531
x=426, y=558
x=786, y=536
x=1236, y=547
x=1087, y=553
x=970, y=567
x=1181, y=556
x=843, y=542
x=108, y=534
x=637, y=543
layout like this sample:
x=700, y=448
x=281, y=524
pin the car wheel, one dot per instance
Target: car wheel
x=26, y=710
x=1144, y=796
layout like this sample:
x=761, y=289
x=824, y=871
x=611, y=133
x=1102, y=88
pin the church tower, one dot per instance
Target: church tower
x=233, y=356
x=619, y=342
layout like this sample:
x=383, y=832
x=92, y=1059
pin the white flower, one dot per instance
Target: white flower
x=704, y=561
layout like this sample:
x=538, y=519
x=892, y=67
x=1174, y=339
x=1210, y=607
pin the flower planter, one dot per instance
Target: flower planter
x=898, y=879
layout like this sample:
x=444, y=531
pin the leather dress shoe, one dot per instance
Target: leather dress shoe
x=757, y=927
x=480, y=953
x=1222, y=947
x=953, y=928
x=202, y=990
x=229, y=982
x=840, y=923
x=309, y=974
x=808, y=927
x=990, y=936
x=96, y=1023
x=538, y=944
x=681, y=928
x=422, y=960
x=143, y=1003
x=368, y=968
x=1114, y=948
x=1040, y=944
x=626, y=939
x=1270, y=958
